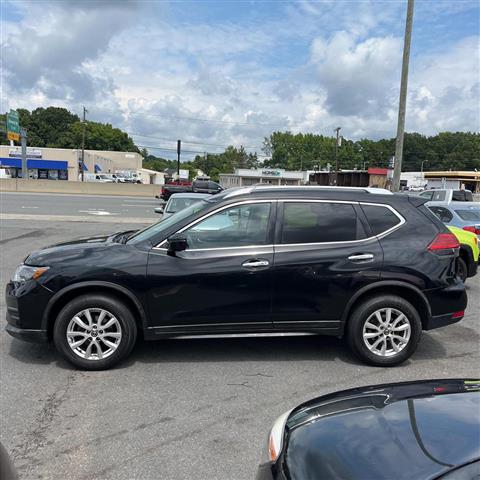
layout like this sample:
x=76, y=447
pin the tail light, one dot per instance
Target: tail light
x=444, y=241
x=472, y=229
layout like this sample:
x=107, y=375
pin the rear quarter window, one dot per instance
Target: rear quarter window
x=442, y=213
x=380, y=218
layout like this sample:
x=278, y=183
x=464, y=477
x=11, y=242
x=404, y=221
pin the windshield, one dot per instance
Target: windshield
x=163, y=225
x=176, y=204
x=471, y=214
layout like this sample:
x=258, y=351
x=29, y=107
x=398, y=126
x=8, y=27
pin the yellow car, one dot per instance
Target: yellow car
x=467, y=263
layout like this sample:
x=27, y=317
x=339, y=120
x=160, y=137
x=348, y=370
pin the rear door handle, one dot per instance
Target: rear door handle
x=254, y=264
x=361, y=257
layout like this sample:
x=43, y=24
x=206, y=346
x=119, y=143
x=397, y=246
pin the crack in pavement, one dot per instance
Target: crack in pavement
x=35, y=439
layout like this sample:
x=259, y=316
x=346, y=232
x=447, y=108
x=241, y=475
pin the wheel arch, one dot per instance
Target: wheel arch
x=466, y=254
x=401, y=289
x=61, y=298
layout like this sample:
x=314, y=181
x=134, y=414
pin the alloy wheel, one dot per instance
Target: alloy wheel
x=94, y=334
x=386, y=332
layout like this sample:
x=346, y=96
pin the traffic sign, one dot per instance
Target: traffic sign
x=13, y=136
x=13, y=125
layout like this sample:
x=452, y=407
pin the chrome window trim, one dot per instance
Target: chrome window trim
x=401, y=219
x=198, y=220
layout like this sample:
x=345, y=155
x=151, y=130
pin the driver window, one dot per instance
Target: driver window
x=239, y=226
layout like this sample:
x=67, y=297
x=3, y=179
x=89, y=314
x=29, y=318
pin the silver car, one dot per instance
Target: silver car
x=179, y=201
x=465, y=215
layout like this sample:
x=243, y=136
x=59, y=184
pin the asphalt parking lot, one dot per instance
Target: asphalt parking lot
x=176, y=409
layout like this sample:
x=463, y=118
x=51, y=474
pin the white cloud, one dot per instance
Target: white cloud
x=121, y=58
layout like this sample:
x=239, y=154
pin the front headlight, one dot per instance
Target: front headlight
x=274, y=444
x=25, y=272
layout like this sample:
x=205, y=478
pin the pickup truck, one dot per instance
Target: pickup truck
x=197, y=186
x=447, y=195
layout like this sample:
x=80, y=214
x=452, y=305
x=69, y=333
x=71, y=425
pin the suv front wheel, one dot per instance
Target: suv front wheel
x=384, y=330
x=94, y=332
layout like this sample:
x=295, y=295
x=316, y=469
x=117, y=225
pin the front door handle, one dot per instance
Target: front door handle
x=361, y=257
x=254, y=264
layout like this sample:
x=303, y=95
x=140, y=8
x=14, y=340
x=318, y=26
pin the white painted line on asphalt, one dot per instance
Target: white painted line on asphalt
x=138, y=206
x=94, y=211
x=28, y=207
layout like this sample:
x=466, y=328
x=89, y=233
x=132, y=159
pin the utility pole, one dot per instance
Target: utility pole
x=179, y=148
x=23, y=137
x=397, y=169
x=337, y=130
x=83, y=143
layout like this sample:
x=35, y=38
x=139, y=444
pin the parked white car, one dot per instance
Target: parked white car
x=5, y=173
x=97, y=177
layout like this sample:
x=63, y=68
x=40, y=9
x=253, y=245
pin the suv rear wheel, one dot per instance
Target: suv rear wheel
x=94, y=332
x=384, y=330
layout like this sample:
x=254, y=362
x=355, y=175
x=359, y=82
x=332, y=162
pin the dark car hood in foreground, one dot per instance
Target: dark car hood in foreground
x=78, y=247
x=415, y=430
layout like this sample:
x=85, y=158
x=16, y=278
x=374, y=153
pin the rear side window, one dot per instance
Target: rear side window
x=318, y=222
x=439, y=196
x=201, y=184
x=442, y=213
x=380, y=218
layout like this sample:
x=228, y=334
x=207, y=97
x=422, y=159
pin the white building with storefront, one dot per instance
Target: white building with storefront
x=272, y=176
x=65, y=163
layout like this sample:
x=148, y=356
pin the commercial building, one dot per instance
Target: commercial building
x=272, y=176
x=442, y=179
x=65, y=163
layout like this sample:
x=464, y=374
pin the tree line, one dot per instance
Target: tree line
x=57, y=127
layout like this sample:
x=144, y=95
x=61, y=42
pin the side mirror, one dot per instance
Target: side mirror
x=158, y=210
x=177, y=244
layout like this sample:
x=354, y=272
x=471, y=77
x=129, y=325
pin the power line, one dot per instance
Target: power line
x=211, y=120
x=192, y=142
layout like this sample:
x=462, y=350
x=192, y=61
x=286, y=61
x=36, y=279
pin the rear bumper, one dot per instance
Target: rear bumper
x=444, y=302
x=442, y=321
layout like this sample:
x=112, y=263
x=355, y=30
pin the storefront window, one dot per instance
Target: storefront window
x=53, y=174
x=43, y=174
x=63, y=174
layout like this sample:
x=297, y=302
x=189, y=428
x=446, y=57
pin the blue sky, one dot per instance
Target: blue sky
x=231, y=72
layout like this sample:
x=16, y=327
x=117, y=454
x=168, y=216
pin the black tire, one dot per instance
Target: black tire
x=96, y=301
x=361, y=314
x=462, y=269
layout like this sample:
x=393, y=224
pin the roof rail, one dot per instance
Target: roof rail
x=373, y=190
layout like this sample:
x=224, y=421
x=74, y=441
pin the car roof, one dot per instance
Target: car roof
x=189, y=195
x=367, y=194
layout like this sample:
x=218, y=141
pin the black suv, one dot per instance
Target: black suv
x=374, y=267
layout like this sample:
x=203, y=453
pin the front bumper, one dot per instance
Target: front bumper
x=26, y=304
x=27, y=334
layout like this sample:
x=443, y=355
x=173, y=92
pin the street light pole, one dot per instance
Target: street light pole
x=23, y=138
x=397, y=169
x=83, y=144
x=337, y=130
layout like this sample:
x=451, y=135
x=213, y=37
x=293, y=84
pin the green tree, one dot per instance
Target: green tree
x=98, y=136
